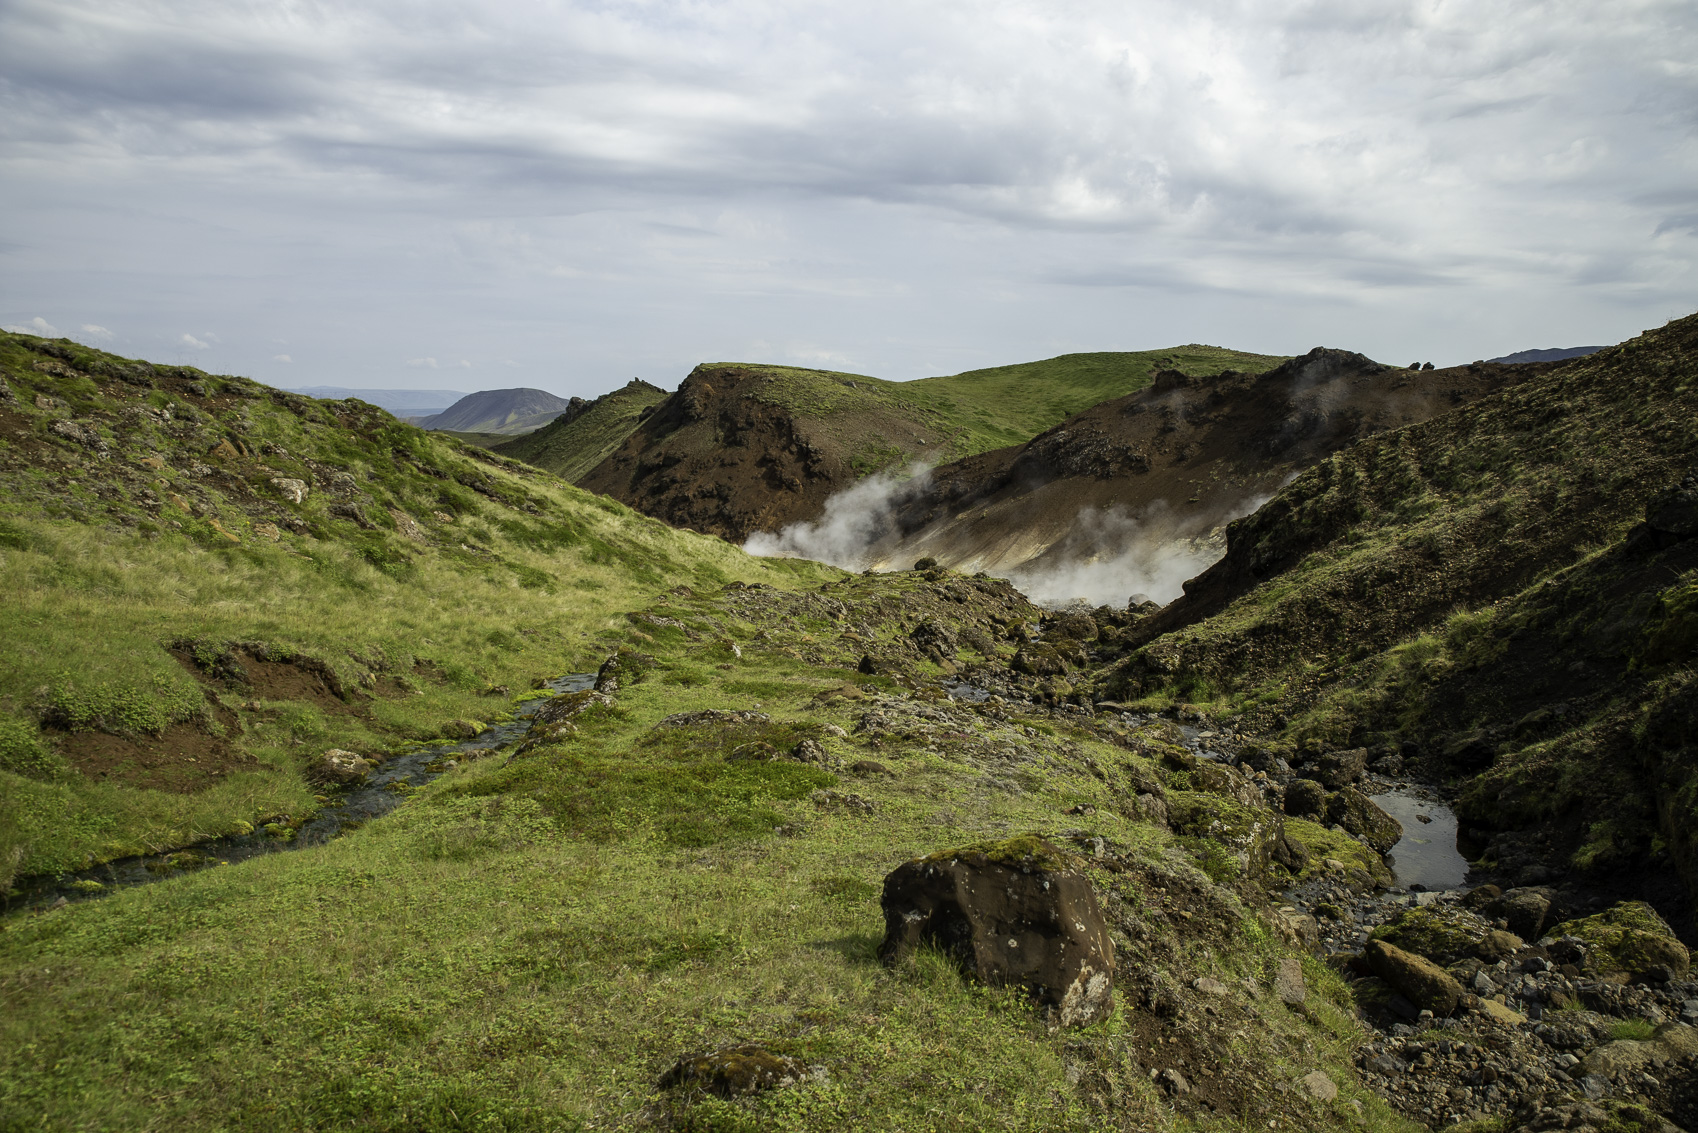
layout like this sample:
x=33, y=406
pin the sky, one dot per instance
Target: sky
x=566, y=195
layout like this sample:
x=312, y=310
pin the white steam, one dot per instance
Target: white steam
x=854, y=520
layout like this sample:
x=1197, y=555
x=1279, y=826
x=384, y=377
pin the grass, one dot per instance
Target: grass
x=569, y=449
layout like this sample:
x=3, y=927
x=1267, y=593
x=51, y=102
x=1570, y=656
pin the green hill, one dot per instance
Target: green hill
x=584, y=435
x=209, y=583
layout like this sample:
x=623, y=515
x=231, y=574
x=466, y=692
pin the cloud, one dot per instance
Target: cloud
x=972, y=180
x=281, y=358
x=36, y=326
x=193, y=343
x=422, y=363
x=94, y=331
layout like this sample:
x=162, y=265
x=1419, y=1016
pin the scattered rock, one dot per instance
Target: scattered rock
x=842, y=800
x=713, y=716
x=80, y=433
x=1010, y=913
x=733, y=1071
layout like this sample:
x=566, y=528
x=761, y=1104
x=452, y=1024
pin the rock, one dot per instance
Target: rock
x=1039, y=661
x=1425, y=984
x=1208, y=987
x=1306, y=799
x=462, y=729
x=715, y=716
x=1360, y=815
x=835, y=732
x=1012, y=913
x=1288, y=985
x=867, y=665
x=1671, y=1042
x=1498, y=945
x=407, y=527
x=1627, y=939
x=842, y=800
x=1501, y=1014
x=1442, y=933
x=812, y=751
x=1526, y=910
x=734, y=1070
x=934, y=640
x=1173, y=1082
x=79, y=433
x=268, y=531
x=1675, y=512
x=224, y=450
x=756, y=752
x=340, y=767
x=1073, y=627
x=865, y=767
x=1319, y=1086
x=1289, y=852
x=1342, y=768
x=295, y=491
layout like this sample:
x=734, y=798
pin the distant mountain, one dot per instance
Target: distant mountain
x=586, y=433
x=401, y=402
x=510, y=411
x=1555, y=354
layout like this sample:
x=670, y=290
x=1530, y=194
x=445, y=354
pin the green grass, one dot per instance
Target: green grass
x=569, y=449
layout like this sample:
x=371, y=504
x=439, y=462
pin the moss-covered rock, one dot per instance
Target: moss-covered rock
x=1441, y=933
x=1627, y=939
x=1358, y=814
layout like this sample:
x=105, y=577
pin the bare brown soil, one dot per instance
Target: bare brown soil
x=185, y=759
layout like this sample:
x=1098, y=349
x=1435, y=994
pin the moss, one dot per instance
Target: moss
x=23, y=753
x=1029, y=853
x=1628, y=938
x=1442, y=933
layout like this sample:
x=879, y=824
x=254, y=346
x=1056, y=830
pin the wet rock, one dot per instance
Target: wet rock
x=340, y=768
x=462, y=729
x=1306, y=799
x=733, y=1071
x=1425, y=984
x=1012, y=913
x=1627, y=939
x=1339, y=769
x=1360, y=815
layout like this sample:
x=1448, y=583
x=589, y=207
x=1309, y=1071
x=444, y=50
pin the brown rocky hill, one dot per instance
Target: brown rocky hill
x=1174, y=461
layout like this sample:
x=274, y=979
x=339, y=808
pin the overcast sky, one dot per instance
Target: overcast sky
x=569, y=194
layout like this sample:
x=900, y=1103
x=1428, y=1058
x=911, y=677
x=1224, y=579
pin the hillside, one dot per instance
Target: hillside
x=742, y=448
x=217, y=591
x=1093, y=503
x=1505, y=592
x=586, y=433
x=509, y=411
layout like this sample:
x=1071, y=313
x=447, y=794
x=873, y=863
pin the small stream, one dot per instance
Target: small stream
x=388, y=785
x=1426, y=855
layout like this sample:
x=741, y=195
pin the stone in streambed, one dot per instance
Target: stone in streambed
x=1425, y=984
x=341, y=768
x=1010, y=912
x=1360, y=815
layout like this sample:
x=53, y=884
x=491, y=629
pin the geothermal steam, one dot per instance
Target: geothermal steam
x=854, y=519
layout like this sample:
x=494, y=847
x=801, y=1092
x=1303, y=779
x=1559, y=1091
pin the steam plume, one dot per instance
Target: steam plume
x=853, y=521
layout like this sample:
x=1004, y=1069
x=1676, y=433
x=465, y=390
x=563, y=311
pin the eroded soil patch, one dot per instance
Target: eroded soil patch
x=184, y=759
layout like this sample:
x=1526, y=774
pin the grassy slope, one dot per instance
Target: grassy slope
x=980, y=410
x=569, y=449
x=512, y=585
x=527, y=945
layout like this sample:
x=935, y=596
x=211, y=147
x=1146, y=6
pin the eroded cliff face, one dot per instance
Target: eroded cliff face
x=731, y=452
x=1170, y=464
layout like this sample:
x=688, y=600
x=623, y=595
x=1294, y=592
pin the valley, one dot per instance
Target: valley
x=352, y=776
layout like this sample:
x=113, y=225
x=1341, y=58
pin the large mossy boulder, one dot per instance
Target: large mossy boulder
x=1306, y=798
x=1444, y=934
x=1360, y=815
x=1010, y=913
x=1628, y=939
x=1422, y=982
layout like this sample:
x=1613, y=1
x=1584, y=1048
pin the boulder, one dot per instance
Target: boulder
x=1074, y=627
x=1306, y=799
x=1010, y=913
x=1288, y=985
x=1627, y=939
x=1359, y=815
x=1425, y=984
x=934, y=640
x=812, y=751
x=1038, y=661
x=734, y=1070
x=1342, y=768
x=1318, y=1086
x=462, y=729
x=1527, y=910
x=341, y=768
x=1442, y=933
x=295, y=491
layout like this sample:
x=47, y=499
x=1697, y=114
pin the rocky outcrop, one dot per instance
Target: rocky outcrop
x=1629, y=939
x=1010, y=913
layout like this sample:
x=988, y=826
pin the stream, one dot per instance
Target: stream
x=1426, y=855
x=388, y=785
